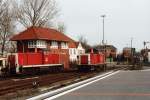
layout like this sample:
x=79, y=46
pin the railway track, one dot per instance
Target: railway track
x=14, y=85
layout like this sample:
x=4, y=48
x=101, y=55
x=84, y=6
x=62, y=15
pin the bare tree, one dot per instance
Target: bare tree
x=1, y=7
x=84, y=42
x=61, y=27
x=37, y=12
x=6, y=23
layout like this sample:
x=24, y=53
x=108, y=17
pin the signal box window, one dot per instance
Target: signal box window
x=64, y=45
x=54, y=44
x=37, y=44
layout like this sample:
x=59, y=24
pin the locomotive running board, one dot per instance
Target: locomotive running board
x=62, y=91
x=45, y=65
x=91, y=64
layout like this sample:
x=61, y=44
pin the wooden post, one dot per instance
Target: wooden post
x=35, y=50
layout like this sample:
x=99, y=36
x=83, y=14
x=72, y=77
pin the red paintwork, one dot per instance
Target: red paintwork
x=99, y=58
x=29, y=58
x=51, y=59
x=64, y=59
x=38, y=59
x=11, y=60
x=84, y=59
x=94, y=59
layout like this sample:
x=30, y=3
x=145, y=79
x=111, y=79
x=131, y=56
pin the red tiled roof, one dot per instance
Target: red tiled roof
x=34, y=33
x=73, y=43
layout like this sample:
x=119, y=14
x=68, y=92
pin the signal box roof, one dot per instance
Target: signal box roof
x=39, y=33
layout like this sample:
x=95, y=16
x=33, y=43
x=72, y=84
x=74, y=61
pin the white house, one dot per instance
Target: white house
x=75, y=49
x=148, y=56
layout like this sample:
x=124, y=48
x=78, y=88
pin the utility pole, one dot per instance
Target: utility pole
x=132, y=59
x=131, y=46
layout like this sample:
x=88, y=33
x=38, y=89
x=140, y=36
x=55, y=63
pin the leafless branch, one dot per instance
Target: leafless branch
x=37, y=12
x=61, y=27
x=6, y=23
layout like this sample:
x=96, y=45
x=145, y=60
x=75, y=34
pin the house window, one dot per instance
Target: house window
x=80, y=51
x=74, y=51
x=112, y=50
x=31, y=44
x=41, y=44
x=64, y=45
x=70, y=51
x=54, y=44
x=37, y=44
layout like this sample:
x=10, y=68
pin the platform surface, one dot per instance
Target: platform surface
x=125, y=85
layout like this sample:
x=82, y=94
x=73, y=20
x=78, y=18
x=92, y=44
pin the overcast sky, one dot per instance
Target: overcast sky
x=124, y=19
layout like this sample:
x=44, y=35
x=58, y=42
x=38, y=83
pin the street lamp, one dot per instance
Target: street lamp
x=103, y=41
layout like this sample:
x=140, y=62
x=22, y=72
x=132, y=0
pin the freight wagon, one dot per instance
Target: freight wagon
x=91, y=61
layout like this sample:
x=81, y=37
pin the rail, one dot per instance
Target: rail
x=15, y=85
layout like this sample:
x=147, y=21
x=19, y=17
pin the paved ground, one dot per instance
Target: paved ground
x=125, y=85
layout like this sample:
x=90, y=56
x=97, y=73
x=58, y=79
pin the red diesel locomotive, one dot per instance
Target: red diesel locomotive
x=92, y=61
x=19, y=62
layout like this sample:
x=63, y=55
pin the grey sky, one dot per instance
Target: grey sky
x=125, y=19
